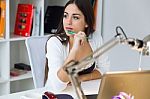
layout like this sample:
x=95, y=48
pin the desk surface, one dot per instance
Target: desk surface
x=89, y=87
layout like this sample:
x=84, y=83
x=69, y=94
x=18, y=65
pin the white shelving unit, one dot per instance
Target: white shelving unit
x=13, y=49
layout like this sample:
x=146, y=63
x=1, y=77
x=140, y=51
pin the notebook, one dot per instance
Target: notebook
x=135, y=83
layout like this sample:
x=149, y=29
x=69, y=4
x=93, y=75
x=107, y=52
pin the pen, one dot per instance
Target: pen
x=72, y=32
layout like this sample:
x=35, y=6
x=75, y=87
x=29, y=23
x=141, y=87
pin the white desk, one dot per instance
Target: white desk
x=89, y=87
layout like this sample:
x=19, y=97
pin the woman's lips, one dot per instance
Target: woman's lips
x=69, y=28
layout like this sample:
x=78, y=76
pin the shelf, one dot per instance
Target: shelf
x=2, y=80
x=21, y=77
x=17, y=37
x=3, y=40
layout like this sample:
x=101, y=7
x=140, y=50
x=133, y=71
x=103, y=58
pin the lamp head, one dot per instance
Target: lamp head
x=147, y=41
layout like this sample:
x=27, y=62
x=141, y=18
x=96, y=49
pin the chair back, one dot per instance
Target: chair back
x=36, y=52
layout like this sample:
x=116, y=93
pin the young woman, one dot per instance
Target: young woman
x=75, y=40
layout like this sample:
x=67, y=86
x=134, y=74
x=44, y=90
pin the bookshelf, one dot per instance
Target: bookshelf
x=13, y=49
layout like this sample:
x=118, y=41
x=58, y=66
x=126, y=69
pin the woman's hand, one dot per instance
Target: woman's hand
x=79, y=40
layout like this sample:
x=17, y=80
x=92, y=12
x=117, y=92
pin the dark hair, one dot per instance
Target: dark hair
x=86, y=8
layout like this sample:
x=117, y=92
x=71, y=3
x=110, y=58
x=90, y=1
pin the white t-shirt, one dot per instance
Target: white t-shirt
x=57, y=53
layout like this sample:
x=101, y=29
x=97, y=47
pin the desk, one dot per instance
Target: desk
x=89, y=87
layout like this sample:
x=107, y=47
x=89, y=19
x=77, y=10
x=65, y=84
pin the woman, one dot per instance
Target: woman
x=75, y=40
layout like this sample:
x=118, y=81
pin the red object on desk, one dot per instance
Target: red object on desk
x=50, y=95
x=24, y=19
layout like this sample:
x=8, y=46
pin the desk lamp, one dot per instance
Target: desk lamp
x=74, y=67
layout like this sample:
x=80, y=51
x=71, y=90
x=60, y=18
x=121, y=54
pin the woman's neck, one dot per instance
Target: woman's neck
x=70, y=42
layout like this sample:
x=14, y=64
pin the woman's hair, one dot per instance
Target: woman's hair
x=86, y=8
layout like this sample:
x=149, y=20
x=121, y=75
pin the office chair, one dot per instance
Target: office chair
x=36, y=52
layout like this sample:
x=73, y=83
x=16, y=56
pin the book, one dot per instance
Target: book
x=22, y=66
x=2, y=17
x=95, y=7
x=24, y=18
x=17, y=72
x=36, y=21
x=52, y=18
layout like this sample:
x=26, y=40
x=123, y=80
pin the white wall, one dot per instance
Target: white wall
x=134, y=17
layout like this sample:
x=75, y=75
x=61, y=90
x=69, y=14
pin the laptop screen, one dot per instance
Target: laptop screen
x=135, y=83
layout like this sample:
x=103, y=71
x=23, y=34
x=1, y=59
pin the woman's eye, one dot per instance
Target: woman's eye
x=75, y=17
x=65, y=16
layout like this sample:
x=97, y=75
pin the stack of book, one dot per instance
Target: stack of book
x=19, y=69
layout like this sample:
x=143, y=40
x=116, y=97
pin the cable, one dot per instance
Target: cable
x=117, y=29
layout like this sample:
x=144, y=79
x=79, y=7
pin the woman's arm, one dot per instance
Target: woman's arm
x=55, y=56
x=63, y=76
x=95, y=74
x=79, y=44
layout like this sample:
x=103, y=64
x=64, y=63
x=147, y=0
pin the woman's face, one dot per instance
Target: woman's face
x=73, y=20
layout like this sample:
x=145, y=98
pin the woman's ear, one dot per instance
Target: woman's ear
x=86, y=26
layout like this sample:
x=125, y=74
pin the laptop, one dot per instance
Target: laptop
x=135, y=83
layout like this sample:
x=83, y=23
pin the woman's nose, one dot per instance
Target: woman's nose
x=69, y=21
